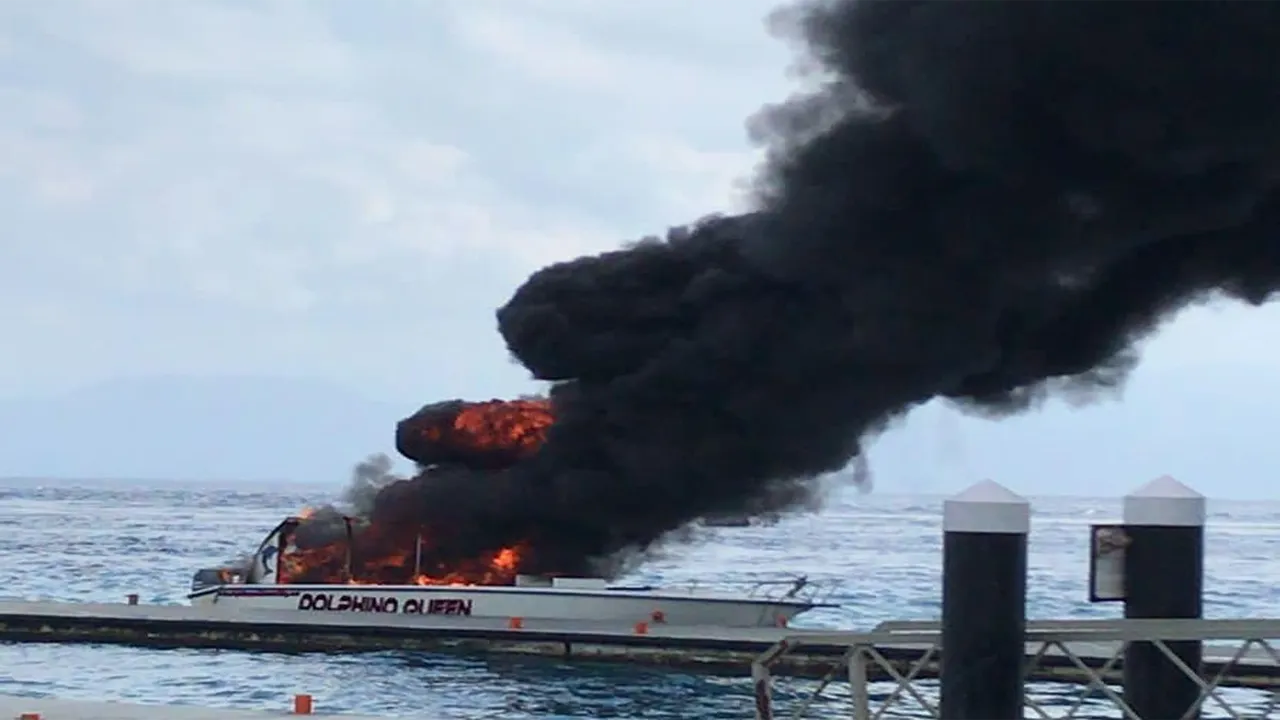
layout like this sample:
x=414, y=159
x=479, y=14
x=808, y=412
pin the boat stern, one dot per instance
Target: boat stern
x=784, y=611
x=207, y=581
x=262, y=568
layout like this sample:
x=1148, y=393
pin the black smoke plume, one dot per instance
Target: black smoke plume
x=988, y=202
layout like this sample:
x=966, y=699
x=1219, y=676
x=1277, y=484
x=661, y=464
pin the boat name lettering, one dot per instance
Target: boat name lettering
x=370, y=604
x=437, y=606
x=348, y=603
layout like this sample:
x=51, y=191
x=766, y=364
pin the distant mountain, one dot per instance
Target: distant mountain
x=1212, y=427
x=196, y=428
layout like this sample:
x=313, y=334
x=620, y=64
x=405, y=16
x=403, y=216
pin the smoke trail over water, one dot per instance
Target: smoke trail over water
x=988, y=202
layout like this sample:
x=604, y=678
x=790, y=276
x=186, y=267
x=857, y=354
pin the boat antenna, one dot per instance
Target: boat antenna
x=346, y=520
x=797, y=586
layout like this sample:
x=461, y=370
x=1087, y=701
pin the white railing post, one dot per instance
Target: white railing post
x=762, y=683
x=858, y=682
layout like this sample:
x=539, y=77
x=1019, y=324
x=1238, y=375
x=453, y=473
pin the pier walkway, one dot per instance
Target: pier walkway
x=13, y=707
x=1059, y=650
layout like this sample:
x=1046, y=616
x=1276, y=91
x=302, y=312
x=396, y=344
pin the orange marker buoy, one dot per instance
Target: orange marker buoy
x=658, y=616
x=515, y=623
x=131, y=598
x=29, y=716
x=301, y=704
x=642, y=628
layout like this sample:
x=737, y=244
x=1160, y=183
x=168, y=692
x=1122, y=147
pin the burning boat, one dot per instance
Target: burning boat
x=477, y=533
x=278, y=578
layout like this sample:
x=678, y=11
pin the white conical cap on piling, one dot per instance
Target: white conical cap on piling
x=987, y=507
x=1165, y=502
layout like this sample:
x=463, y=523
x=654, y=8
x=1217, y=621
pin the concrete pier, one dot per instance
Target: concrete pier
x=730, y=651
x=709, y=649
x=13, y=706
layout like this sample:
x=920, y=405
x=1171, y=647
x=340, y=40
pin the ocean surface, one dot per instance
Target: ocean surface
x=879, y=554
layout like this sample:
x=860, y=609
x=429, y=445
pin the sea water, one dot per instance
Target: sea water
x=879, y=555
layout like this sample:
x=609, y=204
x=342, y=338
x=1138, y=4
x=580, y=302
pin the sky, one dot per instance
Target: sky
x=346, y=191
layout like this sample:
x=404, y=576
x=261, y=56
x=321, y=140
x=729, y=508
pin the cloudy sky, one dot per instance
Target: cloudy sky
x=346, y=190
x=342, y=189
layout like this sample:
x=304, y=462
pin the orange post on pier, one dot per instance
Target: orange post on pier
x=515, y=623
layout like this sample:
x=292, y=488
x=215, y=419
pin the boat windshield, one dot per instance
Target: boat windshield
x=211, y=577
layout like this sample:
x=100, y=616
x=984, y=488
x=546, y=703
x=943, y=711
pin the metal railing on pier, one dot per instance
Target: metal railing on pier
x=883, y=667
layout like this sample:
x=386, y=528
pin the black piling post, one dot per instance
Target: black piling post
x=984, y=603
x=1163, y=578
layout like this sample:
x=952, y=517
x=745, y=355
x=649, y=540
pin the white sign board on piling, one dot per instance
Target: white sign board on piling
x=1107, y=545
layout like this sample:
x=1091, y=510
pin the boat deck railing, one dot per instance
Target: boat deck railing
x=799, y=588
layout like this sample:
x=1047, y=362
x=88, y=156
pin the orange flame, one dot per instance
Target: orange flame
x=333, y=564
x=516, y=427
x=490, y=433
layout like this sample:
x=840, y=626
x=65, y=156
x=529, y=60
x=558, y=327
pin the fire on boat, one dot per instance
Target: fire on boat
x=275, y=579
x=414, y=551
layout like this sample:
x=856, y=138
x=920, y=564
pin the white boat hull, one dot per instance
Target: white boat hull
x=622, y=605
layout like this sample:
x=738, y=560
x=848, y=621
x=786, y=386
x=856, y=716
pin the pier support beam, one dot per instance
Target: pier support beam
x=984, y=603
x=1163, y=578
